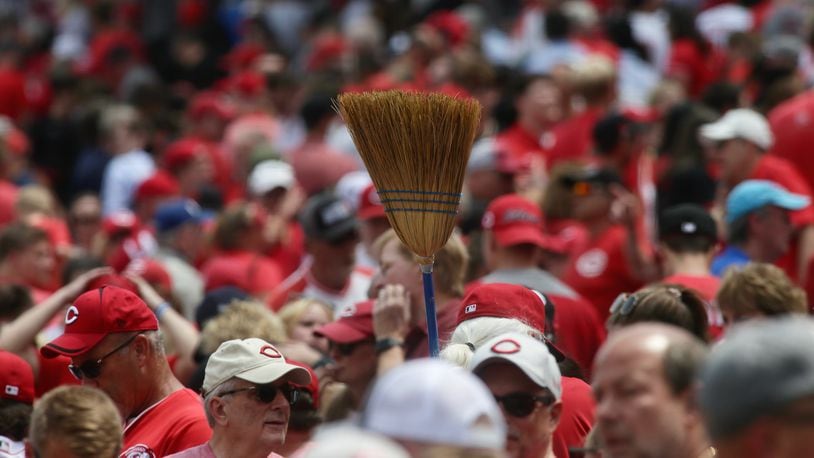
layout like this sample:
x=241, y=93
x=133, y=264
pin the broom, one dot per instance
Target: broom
x=415, y=147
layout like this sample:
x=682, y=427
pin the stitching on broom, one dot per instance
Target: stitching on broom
x=458, y=195
x=431, y=201
x=427, y=210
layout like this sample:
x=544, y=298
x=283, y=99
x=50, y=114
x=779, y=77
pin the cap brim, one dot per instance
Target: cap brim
x=341, y=333
x=716, y=131
x=71, y=345
x=791, y=202
x=520, y=364
x=338, y=233
x=365, y=214
x=526, y=235
x=276, y=371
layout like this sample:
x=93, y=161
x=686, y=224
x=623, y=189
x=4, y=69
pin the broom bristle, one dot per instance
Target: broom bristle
x=415, y=147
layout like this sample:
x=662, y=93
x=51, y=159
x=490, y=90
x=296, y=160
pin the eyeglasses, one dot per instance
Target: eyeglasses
x=624, y=304
x=93, y=369
x=266, y=393
x=523, y=404
x=581, y=188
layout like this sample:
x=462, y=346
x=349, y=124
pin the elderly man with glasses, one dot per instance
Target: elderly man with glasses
x=524, y=378
x=248, y=394
x=112, y=338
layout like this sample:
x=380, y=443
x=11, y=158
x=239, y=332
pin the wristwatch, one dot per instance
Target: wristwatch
x=382, y=345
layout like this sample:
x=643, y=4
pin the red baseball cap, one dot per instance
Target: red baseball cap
x=515, y=220
x=161, y=184
x=97, y=313
x=370, y=206
x=181, y=152
x=16, y=378
x=210, y=103
x=504, y=300
x=120, y=222
x=355, y=323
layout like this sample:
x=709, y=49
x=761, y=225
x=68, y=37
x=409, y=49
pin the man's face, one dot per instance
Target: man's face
x=397, y=269
x=340, y=254
x=590, y=201
x=36, y=264
x=355, y=362
x=121, y=364
x=542, y=101
x=252, y=419
x=527, y=436
x=772, y=227
x=636, y=412
x=733, y=158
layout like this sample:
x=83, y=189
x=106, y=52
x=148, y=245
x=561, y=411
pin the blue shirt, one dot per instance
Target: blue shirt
x=731, y=256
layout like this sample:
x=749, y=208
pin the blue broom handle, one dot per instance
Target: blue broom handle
x=429, y=303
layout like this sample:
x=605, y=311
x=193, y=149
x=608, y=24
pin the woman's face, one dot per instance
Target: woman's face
x=303, y=330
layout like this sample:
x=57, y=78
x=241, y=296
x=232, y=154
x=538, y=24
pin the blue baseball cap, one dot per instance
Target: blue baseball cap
x=172, y=214
x=754, y=194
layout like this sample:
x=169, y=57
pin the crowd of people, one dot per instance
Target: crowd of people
x=194, y=261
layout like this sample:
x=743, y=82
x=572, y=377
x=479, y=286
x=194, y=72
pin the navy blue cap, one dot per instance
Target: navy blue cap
x=175, y=213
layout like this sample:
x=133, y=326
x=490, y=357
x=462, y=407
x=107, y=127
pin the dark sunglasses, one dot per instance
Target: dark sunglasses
x=624, y=304
x=267, y=393
x=523, y=404
x=93, y=369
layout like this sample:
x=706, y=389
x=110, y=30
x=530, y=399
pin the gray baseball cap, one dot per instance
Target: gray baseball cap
x=759, y=368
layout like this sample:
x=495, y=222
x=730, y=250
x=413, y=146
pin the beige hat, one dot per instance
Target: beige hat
x=253, y=360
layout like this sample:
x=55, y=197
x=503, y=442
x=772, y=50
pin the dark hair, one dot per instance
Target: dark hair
x=557, y=25
x=721, y=96
x=77, y=266
x=682, y=26
x=317, y=107
x=17, y=237
x=686, y=244
x=620, y=32
x=682, y=361
x=14, y=419
x=738, y=231
x=14, y=300
x=304, y=415
x=665, y=303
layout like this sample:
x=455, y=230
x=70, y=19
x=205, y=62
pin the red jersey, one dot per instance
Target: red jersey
x=416, y=345
x=288, y=254
x=707, y=287
x=53, y=373
x=574, y=137
x=792, y=123
x=520, y=143
x=785, y=174
x=302, y=284
x=248, y=271
x=698, y=67
x=579, y=331
x=175, y=423
x=599, y=271
x=577, y=418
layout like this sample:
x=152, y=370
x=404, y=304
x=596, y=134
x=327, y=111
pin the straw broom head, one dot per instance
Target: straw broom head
x=415, y=147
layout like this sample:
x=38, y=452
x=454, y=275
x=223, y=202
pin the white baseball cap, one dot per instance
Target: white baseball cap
x=253, y=360
x=740, y=123
x=349, y=441
x=269, y=175
x=527, y=353
x=434, y=402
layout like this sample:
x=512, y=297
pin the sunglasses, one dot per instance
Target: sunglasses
x=93, y=369
x=624, y=304
x=267, y=393
x=523, y=404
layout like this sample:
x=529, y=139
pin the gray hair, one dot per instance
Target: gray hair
x=222, y=388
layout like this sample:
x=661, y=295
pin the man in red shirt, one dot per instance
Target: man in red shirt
x=27, y=258
x=539, y=106
x=111, y=336
x=688, y=238
x=248, y=395
x=738, y=141
x=512, y=238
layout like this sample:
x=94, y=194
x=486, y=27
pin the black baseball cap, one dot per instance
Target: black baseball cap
x=328, y=217
x=687, y=219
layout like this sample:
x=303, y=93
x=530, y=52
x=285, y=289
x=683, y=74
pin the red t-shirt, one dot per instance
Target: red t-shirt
x=699, y=67
x=792, y=123
x=248, y=271
x=574, y=138
x=600, y=271
x=174, y=424
x=417, y=345
x=288, y=254
x=520, y=143
x=577, y=416
x=579, y=331
x=706, y=285
x=784, y=173
x=53, y=373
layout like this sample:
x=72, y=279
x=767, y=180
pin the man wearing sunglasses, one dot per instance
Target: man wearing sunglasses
x=248, y=395
x=351, y=342
x=523, y=376
x=111, y=336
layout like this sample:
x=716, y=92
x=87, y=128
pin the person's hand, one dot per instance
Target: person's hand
x=299, y=351
x=625, y=208
x=391, y=313
x=77, y=285
x=145, y=290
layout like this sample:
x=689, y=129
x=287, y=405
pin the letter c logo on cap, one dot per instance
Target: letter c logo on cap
x=271, y=352
x=506, y=347
x=71, y=315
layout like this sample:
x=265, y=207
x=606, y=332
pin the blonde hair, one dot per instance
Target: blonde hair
x=593, y=78
x=762, y=287
x=83, y=419
x=241, y=320
x=449, y=270
x=291, y=312
x=471, y=334
x=35, y=199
